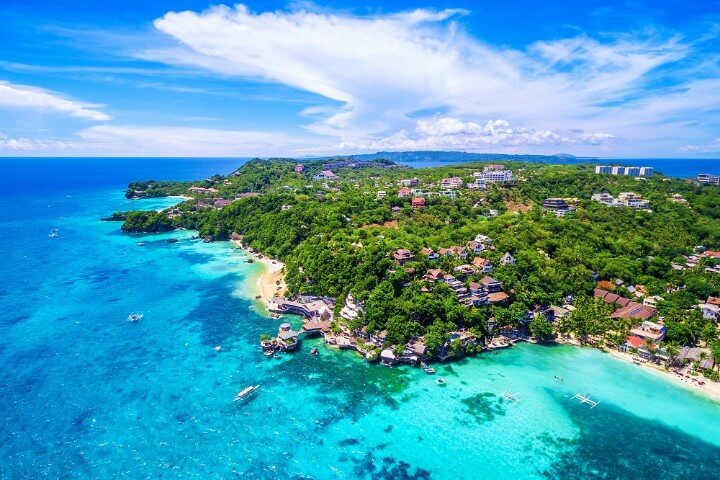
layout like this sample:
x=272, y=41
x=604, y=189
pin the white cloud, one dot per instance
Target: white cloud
x=23, y=96
x=442, y=133
x=382, y=68
x=133, y=140
x=710, y=148
x=15, y=145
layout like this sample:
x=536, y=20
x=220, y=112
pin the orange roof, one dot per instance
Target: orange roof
x=636, y=342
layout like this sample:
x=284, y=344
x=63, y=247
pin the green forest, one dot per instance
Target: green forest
x=337, y=237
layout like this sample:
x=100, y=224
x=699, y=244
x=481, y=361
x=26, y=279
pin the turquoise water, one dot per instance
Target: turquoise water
x=87, y=394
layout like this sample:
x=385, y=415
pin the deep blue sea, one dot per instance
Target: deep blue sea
x=86, y=394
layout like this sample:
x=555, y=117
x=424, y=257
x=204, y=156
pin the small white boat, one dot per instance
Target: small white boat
x=440, y=381
x=135, y=317
x=140, y=244
x=245, y=392
x=53, y=233
x=429, y=370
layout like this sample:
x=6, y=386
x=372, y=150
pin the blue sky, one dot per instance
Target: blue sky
x=157, y=78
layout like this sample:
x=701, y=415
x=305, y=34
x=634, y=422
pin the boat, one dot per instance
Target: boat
x=268, y=353
x=135, y=317
x=140, y=244
x=440, y=381
x=314, y=351
x=53, y=233
x=429, y=370
x=559, y=378
x=245, y=392
x=218, y=348
x=585, y=399
x=513, y=397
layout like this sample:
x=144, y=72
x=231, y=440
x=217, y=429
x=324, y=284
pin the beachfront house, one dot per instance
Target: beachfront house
x=650, y=331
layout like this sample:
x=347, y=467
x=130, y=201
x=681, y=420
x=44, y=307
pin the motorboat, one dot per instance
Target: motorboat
x=314, y=351
x=245, y=392
x=429, y=370
x=440, y=381
x=135, y=317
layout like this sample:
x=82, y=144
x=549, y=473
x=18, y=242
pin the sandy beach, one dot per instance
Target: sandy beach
x=709, y=389
x=271, y=280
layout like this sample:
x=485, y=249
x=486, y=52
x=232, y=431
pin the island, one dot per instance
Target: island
x=418, y=265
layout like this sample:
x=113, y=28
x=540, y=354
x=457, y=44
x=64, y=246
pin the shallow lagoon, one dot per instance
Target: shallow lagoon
x=87, y=394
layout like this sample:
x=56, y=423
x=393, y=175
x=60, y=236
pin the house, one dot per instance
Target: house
x=650, y=331
x=475, y=247
x=220, y=203
x=507, y=259
x=430, y=253
x=491, y=285
x=451, y=183
x=299, y=168
x=634, y=311
x=404, y=192
x=418, y=202
x=287, y=337
x=410, y=182
x=454, y=250
x=557, y=206
x=388, y=358
x=202, y=191
x=495, y=175
x=710, y=311
x=701, y=355
x=652, y=301
x=451, y=194
x=483, y=265
x=402, y=255
x=325, y=175
x=434, y=275
x=464, y=270
x=495, y=298
x=484, y=240
x=352, y=309
x=381, y=194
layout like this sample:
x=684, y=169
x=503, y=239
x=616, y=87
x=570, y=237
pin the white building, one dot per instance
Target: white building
x=622, y=170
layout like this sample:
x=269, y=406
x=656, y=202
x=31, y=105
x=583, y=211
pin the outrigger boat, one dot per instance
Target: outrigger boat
x=429, y=370
x=245, y=392
x=586, y=399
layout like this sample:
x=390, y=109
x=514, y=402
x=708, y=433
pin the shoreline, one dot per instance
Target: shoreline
x=267, y=283
x=264, y=284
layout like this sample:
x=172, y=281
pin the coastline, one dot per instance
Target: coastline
x=710, y=390
x=269, y=281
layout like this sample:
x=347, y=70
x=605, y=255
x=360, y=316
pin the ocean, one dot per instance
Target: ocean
x=86, y=394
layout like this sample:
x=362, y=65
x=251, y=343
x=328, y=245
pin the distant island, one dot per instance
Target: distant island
x=416, y=265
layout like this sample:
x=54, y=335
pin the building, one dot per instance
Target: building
x=708, y=178
x=493, y=176
x=650, y=331
x=451, y=183
x=404, y=192
x=299, y=168
x=220, y=203
x=622, y=170
x=430, y=253
x=507, y=259
x=475, y=247
x=451, y=194
x=402, y=255
x=433, y=275
x=677, y=198
x=410, y=182
x=482, y=264
x=202, y=191
x=325, y=175
x=418, y=202
x=633, y=200
x=558, y=206
x=381, y=194
x=605, y=198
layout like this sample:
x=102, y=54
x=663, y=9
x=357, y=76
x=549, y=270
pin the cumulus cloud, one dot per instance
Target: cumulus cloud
x=23, y=96
x=451, y=133
x=17, y=145
x=376, y=70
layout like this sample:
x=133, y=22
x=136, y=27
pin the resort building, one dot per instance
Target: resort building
x=287, y=338
x=433, y=275
x=475, y=247
x=418, y=202
x=483, y=265
x=495, y=175
x=410, y=182
x=202, y=191
x=624, y=199
x=451, y=182
x=352, y=309
x=507, y=259
x=464, y=270
x=404, y=192
x=558, y=206
x=621, y=170
x=650, y=331
x=326, y=175
x=677, y=198
x=708, y=179
x=310, y=307
x=430, y=253
x=402, y=255
x=220, y=203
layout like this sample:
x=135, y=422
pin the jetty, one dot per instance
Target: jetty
x=586, y=399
